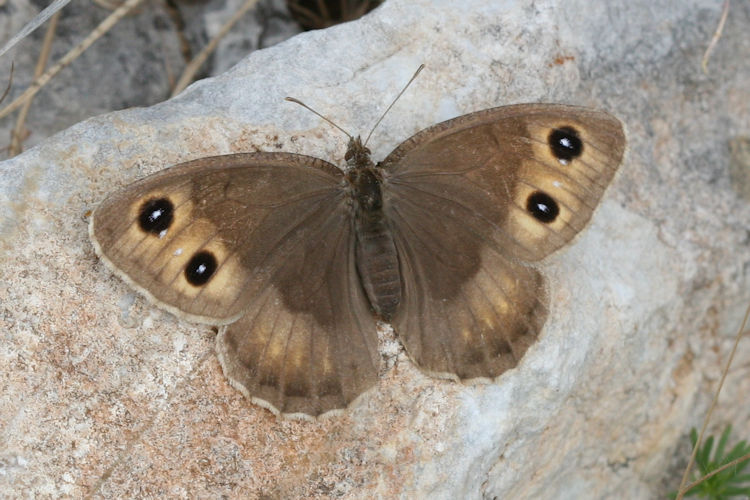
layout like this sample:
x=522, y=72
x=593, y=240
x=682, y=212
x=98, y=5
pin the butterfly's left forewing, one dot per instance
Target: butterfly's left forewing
x=262, y=243
x=472, y=202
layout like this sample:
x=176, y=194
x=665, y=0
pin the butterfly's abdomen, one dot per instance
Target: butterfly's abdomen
x=377, y=261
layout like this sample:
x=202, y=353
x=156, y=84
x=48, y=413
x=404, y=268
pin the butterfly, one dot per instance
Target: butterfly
x=297, y=259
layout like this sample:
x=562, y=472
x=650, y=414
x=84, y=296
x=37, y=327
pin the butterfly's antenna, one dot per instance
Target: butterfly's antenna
x=297, y=101
x=420, y=68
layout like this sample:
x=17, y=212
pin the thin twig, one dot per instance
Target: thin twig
x=193, y=66
x=715, y=38
x=681, y=490
x=76, y=51
x=10, y=82
x=16, y=141
x=179, y=24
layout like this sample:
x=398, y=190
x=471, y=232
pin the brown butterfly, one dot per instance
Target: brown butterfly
x=298, y=259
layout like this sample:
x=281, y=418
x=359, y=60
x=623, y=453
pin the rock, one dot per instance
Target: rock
x=103, y=393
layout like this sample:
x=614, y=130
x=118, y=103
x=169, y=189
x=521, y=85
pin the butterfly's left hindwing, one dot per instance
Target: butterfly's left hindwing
x=320, y=351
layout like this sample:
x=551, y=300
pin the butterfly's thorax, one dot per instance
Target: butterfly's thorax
x=377, y=260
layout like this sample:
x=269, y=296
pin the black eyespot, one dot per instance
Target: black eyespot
x=542, y=207
x=201, y=268
x=565, y=143
x=156, y=215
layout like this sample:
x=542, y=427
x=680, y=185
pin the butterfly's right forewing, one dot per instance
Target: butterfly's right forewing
x=472, y=203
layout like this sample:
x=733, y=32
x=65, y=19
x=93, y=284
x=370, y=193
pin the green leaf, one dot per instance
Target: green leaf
x=728, y=483
x=723, y=441
x=737, y=452
x=734, y=490
x=704, y=454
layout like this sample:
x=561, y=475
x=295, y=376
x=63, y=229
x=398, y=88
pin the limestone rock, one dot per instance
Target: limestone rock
x=103, y=393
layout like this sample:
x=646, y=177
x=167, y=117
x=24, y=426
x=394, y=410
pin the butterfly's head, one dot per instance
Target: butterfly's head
x=357, y=155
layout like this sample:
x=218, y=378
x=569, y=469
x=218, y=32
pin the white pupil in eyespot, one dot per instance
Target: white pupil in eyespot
x=201, y=269
x=565, y=141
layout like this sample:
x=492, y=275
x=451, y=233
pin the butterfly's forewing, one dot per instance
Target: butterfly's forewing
x=472, y=202
x=262, y=241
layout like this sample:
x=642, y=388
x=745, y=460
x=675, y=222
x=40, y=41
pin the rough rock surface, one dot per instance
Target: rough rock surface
x=103, y=394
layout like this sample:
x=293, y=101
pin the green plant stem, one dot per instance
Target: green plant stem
x=681, y=491
x=714, y=472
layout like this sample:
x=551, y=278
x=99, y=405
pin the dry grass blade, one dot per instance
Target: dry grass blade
x=682, y=490
x=715, y=38
x=38, y=20
x=16, y=138
x=193, y=66
x=40, y=82
x=10, y=83
x=170, y=7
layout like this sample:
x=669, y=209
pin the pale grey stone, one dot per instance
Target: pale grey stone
x=103, y=392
